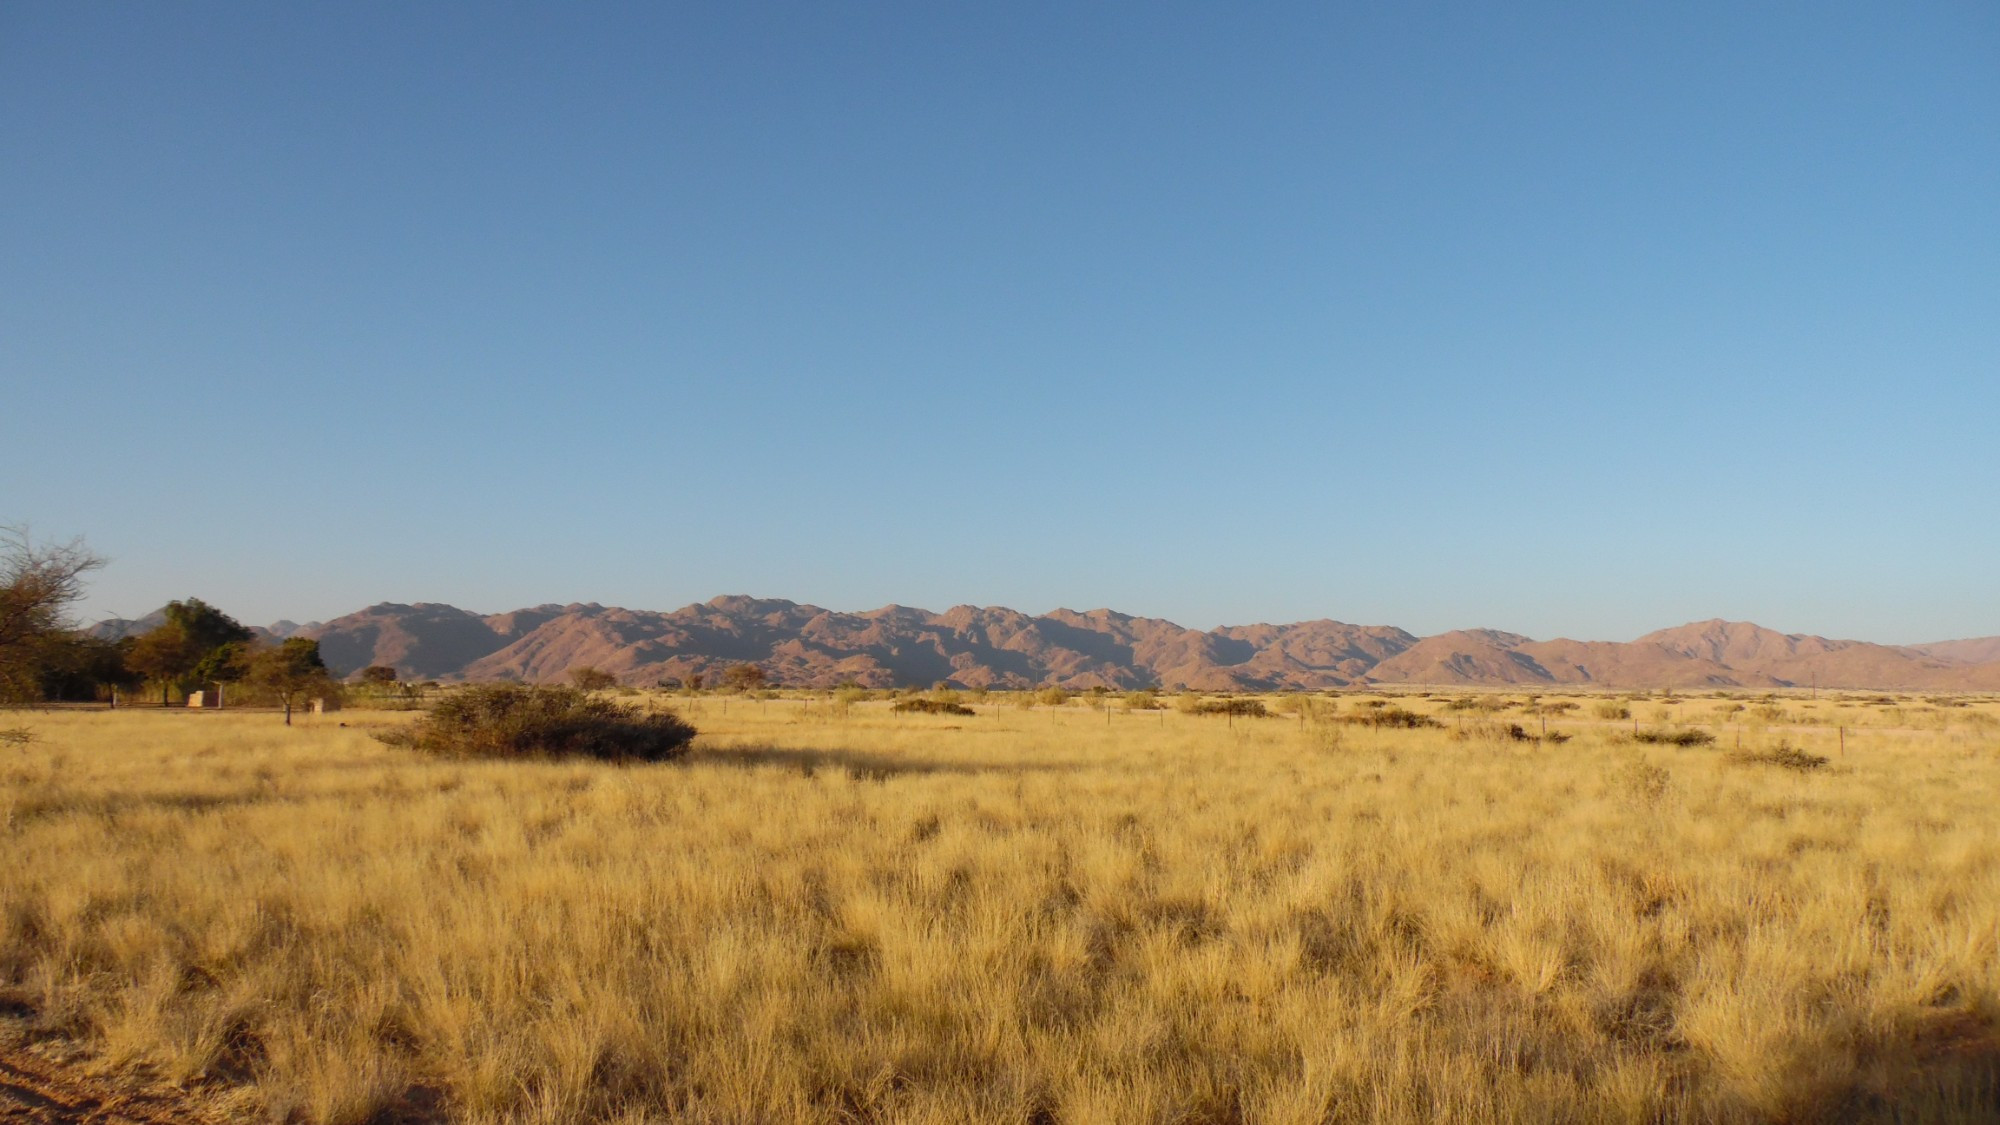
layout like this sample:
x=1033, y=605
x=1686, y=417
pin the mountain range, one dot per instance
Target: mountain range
x=973, y=646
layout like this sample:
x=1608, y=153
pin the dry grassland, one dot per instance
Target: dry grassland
x=1046, y=915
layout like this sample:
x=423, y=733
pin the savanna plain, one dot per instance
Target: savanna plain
x=1446, y=906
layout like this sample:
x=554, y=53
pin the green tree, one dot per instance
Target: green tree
x=292, y=669
x=196, y=645
x=379, y=674
x=39, y=584
x=80, y=666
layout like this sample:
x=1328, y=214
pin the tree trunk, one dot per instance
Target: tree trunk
x=288, y=710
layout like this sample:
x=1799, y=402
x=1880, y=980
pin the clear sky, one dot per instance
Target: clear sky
x=1571, y=320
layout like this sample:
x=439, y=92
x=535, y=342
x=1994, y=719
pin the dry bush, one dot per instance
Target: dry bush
x=1610, y=710
x=1393, y=717
x=1489, y=731
x=1682, y=737
x=1237, y=706
x=931, y=707
x=1646, y=782
x=522, y=721
x=1781, y=755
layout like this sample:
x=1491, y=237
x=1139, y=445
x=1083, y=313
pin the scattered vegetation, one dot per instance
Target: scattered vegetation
x=521, y=721
x=1056, y=919
x=1611, y=710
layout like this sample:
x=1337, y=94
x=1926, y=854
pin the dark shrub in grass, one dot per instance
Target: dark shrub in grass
x=932, y=707
x=518, y=721
x=1395, y=718
x=1251, y=708
x=1782, y=755
x=1689, y=737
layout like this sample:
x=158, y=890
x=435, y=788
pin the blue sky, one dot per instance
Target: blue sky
x=1566, y=319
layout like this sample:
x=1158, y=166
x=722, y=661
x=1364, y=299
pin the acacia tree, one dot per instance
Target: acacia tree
x=38, y=586
x=293, y=670
x=80, y=666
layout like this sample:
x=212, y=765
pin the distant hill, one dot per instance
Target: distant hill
x=974, y=646
x=118, y=628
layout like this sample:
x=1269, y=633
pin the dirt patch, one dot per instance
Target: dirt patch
x=36, y=1089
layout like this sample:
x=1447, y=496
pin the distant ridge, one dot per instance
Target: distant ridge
x=992, y=646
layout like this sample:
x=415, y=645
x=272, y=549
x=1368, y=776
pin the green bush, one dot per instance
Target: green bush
x=520, y=721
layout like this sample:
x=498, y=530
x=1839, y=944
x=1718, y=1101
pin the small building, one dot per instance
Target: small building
x=211, y=700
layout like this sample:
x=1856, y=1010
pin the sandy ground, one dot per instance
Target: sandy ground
x=38, y=1086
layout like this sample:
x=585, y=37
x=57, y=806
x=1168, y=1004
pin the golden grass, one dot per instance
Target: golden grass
x=1051, y=915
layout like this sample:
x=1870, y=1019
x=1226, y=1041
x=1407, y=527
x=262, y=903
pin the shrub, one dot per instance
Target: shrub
x=1310, y=708
x=1782, y=755
x=932, y=707
x=1687, y=737
x=1645, y=782
x=1394, y=718
x=1610, y=710
x=1052, y=697
x=1249, y=708
x=588, y=678
x=1141, y=701
x=1490, y=731
x=520, y=721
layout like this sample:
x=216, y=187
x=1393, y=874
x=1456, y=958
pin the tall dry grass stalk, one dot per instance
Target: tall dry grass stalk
x=1033, y=915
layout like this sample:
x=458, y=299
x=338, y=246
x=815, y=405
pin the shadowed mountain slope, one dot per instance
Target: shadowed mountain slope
x=991, y=646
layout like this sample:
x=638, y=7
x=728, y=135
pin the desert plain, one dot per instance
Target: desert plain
x=1369, y=906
